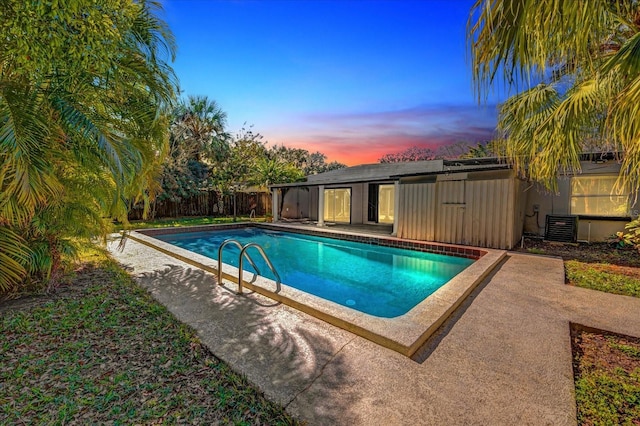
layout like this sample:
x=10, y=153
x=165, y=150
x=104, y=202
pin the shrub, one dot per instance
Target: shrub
x=632, y=235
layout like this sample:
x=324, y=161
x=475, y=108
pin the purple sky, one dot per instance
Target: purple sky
x=352, y=79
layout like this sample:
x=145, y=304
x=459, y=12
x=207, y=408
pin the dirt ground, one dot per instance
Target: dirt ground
x=599, y=349
x=606, y=370
x=584, y=252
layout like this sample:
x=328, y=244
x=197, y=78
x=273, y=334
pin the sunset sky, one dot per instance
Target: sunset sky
x=353, y=79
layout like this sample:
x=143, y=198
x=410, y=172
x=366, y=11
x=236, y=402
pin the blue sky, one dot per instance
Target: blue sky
x=353, y=79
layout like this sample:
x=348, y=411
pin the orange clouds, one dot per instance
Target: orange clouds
x=359, y=151
x=362, y=138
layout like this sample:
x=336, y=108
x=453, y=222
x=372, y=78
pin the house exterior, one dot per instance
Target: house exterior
x=478, y=202
x=473, y=202
x=589, y=195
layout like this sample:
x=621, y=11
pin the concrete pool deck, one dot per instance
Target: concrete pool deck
x=503, y=357
x=404, y=334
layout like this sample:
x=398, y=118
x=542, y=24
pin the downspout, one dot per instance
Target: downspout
x=396, y=207
x=321, y=205
x=274, y=204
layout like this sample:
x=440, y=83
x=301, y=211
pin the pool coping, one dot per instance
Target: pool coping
x=404, y=334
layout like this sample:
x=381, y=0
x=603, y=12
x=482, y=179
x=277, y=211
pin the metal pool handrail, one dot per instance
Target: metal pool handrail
x=244, y=254
x=236, y=243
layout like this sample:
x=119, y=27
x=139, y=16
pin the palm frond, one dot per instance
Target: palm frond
x=521, y=40
x=545, y=130
x=13, y=257
x=627, y=59
x=81, y=120
x=24, y=133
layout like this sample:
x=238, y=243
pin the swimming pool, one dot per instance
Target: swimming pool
x=404, y=334
x=381, y=281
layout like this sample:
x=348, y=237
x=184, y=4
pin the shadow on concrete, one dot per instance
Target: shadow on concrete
x=247, y=294
x=279, y=349
x=436, y=338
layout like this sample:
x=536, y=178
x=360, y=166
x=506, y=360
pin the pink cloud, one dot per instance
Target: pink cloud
x=365, y=137
x=370, y=149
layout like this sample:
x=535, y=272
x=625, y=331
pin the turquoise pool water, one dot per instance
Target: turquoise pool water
x=382, y=281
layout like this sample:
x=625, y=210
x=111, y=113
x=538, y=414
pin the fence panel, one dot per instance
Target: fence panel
x=207, y=203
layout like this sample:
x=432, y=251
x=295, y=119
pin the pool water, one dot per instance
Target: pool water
x=382, y=281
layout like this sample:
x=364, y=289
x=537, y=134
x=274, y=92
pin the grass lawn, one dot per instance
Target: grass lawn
x=103, y=351
x=606, y=365
x=604, y=277
x=188, y=221
x=597, y=266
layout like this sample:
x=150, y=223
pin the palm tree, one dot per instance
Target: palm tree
x=199, y=127
x=83, y=88
x=269, y=171
x=197, y=140
x=479, y=150
x=578, y=67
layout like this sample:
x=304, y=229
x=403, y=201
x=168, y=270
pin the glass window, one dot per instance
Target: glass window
x=595, y=196
x=385, y=203
x=337, y=205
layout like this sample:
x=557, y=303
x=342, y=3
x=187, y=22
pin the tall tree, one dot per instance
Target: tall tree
x=83, y=87
x=197, y=141
x=199, y=128
x=269, y=171
x=298, y=157
x=234, y=170
x=577, y=67
x=316, y=162
x=308, y=163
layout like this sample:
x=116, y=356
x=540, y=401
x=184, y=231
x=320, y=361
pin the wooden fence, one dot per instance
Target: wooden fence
x=207, y=204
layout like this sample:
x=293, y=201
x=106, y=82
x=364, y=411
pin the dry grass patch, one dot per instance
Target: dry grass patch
x=607, y=377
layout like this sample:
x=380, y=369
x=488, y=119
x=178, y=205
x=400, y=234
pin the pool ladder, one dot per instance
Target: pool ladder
x=243, y=255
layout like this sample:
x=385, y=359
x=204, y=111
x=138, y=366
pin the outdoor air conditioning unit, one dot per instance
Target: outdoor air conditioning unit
x=563, y=229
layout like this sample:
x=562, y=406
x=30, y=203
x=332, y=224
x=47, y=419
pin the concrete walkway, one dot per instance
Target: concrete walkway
x=504, y=357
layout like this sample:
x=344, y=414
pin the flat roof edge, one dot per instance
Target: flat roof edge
x=501, y=166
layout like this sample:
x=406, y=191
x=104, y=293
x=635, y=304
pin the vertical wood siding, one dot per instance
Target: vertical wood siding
x=451, y=212
x=417, y=211
x=520, y=207
x=490, y=213
x=484, y=213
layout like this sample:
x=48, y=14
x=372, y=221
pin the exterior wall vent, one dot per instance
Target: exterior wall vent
x=563, y=229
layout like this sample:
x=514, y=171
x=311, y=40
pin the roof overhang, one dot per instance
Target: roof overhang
x=372, y=173
x=458, y=169
x=335, y=182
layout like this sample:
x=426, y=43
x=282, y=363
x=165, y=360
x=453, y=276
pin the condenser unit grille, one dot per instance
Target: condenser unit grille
x=562, y=229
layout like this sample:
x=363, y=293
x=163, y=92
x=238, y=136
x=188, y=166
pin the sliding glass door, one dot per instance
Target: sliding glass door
x=385, y=203
x=337, y=205
x=381, y=203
